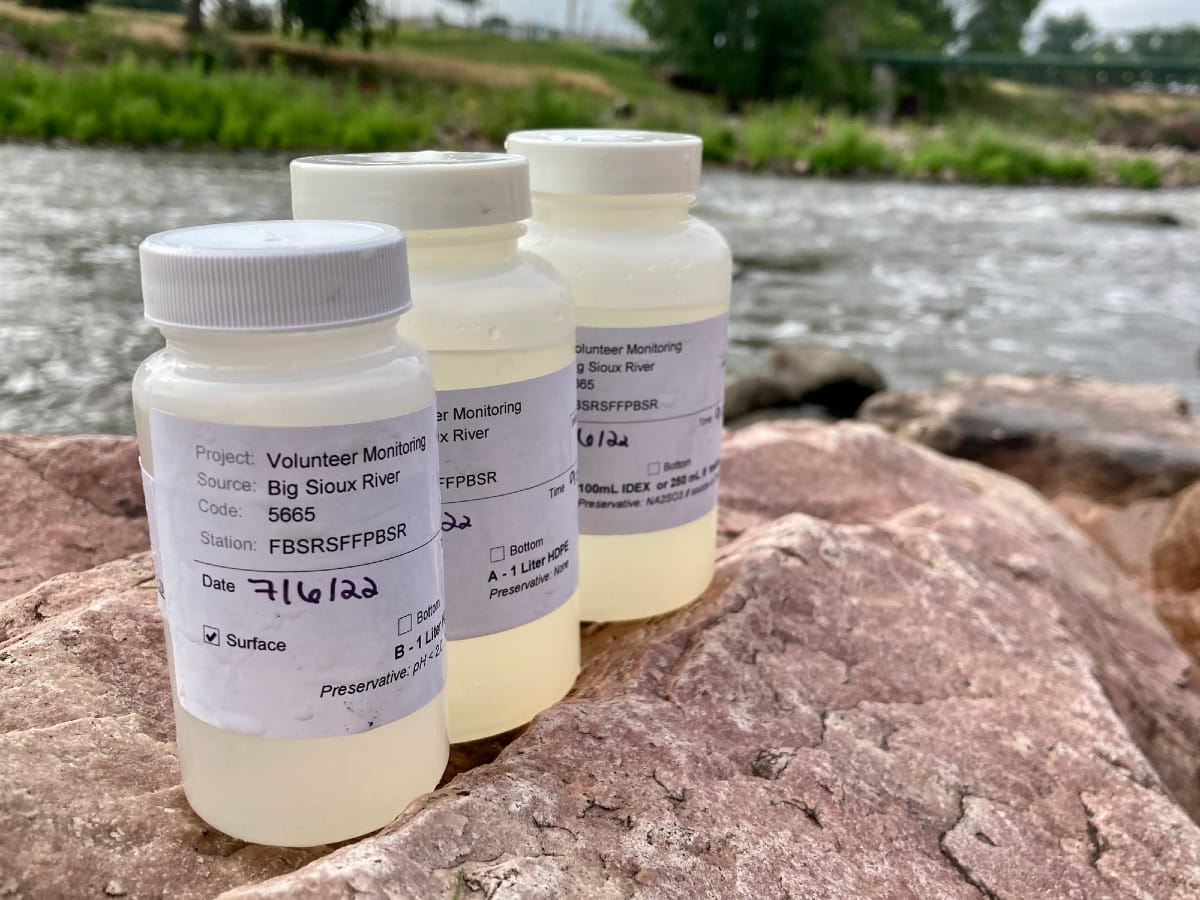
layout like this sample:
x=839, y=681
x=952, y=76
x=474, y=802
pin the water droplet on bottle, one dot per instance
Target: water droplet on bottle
x=303, y=714
x=494, y=333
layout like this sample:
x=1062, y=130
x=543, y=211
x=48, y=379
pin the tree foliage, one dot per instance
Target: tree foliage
x=766, y=49
x=328, y=18
x=997, y=26
x=472, y=8
x=1176, y=43
x=171, y=6
x=66, y=5
x=1067, y=35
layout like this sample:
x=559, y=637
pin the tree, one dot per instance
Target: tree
x=65, y=5
x=763, y=49
x=194, y=23
x=329, y=18
x=1067, y=35
x=742, y=50
x=996, y=26
x=472, y=7
x=1176, y=43
x=171, y=6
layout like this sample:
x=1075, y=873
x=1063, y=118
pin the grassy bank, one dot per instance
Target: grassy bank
x=130, y=79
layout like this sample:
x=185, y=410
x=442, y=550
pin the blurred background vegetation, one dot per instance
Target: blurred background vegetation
x=932, y=89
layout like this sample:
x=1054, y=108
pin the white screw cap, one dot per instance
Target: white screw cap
x=608, y=161
x=274, y=276
x=422, y=191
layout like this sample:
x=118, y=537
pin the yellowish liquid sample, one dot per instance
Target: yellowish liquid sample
x=632, y=576
x=496, y=682
x=297, y=792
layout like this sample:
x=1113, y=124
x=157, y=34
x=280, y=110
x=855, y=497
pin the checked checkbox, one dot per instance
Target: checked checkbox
x=212, y=636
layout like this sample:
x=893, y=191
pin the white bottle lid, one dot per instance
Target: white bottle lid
x=608, y=161
x=421, y=191
x=274, y=276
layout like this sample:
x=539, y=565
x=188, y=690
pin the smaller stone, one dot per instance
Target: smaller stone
x=114, y=889
x=1177, y=549
x=1126, y=533
x=804, y=375
x=1141, y=217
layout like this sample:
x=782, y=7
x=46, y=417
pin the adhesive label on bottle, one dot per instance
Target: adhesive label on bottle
x=510, y=502
x=301, y=570
x=649, y=431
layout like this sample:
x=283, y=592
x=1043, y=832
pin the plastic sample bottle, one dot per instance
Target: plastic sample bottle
x=499, y=327
x=289, y=448
x=652, y=289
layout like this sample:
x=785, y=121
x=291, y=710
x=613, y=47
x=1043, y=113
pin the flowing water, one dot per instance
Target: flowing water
x=918, y=279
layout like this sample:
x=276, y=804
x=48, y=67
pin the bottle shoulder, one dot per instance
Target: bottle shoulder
x=383, y=383
x=685, y=266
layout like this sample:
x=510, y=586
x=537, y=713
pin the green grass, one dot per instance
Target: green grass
x=776, y=133
x=981, y=153
x=84, y=79
x=1138, y=173
x=848, y=149
x=142, y=104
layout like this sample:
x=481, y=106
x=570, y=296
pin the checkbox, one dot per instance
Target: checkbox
x=404, y=624
x=212, y=636
x=653, y=468
x=497, y=554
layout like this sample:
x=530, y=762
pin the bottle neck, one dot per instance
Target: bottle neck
x=445, y=248
x=616, y=211
x=292, y=350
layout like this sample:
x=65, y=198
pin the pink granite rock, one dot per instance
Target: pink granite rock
x=90, y=800
x=911, y=678
x=70, y=504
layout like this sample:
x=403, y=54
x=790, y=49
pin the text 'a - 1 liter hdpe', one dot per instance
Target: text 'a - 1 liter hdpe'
x=651, y=286
x=499, y=328
x=289, y=449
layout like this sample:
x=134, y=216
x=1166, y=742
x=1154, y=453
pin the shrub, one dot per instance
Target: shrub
x=1071, y=168
x=541, y=105
x=776, y=133
x=168, y=6
x=720, y=141
x=1138, y=173
x=243, y=15
x=66, y=5
x=848, y=149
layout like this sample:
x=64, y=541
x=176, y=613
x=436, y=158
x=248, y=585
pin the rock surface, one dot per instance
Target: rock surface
x=1177, y=547
x=910, y=678
x=1176, y=569
x=800, y=375
x=891, y=696
x=90, y=799
x=1112, y=442
x=70, y=504
x=1126, y=533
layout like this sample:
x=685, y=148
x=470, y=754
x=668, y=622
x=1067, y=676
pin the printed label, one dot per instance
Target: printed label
x=510, y=503
x=649, y=428
x=301, y=570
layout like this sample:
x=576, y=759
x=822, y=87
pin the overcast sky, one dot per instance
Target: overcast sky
x=606, y=16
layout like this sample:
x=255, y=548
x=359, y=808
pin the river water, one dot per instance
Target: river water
x=919, y=279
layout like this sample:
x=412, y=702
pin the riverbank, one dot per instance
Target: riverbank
x=130, y=79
